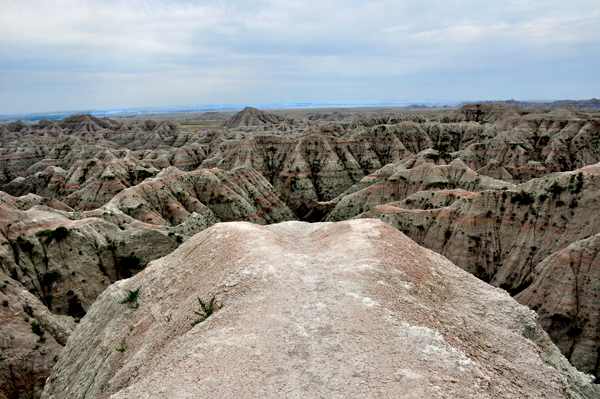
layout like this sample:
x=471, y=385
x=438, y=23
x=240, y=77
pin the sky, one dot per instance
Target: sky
x=95, y=54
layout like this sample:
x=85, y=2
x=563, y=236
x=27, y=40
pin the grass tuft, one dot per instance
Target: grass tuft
x=131, y=298
x=206, y=310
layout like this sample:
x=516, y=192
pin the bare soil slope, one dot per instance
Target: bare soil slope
x=351, y=309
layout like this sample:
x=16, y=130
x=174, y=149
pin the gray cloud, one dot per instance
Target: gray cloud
x=70, y=54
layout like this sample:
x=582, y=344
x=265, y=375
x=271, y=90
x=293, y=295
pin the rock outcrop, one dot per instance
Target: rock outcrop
x=300, y=312
x=31, y=338
x=496, y=188
x=564, y=291
x=394, y=182
x=68, y=263
x=501, y=236
x=241, y=194
x=250, y=116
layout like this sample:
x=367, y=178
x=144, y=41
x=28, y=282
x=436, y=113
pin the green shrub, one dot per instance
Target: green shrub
x=126, y=264
x=437, y=184
x=49, y=278
x=522, y=198
x=206, y=310
x=574, y=331
x=58, y=234
x=560, y=318
x=555, y=189
x=131, y=296
x=75, y=308
x=25, y=245
x=37, y=329
x=433, y=156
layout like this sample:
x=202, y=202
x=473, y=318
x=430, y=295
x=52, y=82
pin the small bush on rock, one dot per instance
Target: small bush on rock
x=206, y=310
x=131, y=298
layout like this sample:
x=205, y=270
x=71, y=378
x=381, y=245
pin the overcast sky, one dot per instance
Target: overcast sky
x=75, y=54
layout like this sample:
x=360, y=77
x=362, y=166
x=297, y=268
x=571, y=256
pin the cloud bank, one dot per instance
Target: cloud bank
x=74, y=54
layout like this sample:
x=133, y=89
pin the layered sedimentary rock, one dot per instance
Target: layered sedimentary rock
x=448, y=181
x=395, y=182
x=68, y=263
x=299, y=312
x=502, y=235
x=502, y=142
x=564, y=291
x=31, y=338
x=171, y=197
x=250, y=116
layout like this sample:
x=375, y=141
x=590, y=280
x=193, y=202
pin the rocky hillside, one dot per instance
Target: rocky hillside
x=299, y=312
x=506, y=193
x=53, y=265
x=503, y=235
x=250, y=116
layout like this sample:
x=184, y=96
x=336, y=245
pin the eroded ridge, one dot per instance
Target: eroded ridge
x=348, y=309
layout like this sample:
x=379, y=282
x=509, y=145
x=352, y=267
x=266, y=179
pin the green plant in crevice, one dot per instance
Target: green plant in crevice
x=207, y=308
x=131, y=298
x=36, y=328
x=58, y=234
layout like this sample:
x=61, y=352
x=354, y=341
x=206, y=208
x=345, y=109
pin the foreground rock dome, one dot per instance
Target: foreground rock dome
x=351, y=309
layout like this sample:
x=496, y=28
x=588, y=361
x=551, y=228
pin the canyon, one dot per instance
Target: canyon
x=507, y=194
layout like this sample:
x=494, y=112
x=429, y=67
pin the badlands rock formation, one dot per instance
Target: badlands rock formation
x=31, y=339
x=53, y=265
x=564, y=291
x=502, y=236
x=250, y=116
x=504, y=192
x=351, y=309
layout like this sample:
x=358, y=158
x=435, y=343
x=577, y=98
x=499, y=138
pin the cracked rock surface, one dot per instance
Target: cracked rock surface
x=348, y=309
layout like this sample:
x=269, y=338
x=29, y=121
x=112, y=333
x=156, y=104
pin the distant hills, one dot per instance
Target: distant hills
x=178, y=109
x=594, y=103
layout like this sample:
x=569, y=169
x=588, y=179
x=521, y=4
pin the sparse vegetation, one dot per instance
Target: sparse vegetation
x=50, y=278
x=206, y=309
x=131, y=298
x=126, y=264
x=555, y=189
x=437, y=184
x=36, y=328
x=75, y=308
x=58, y=234
x=560, y=318
x=522, y=198
x=25, y=245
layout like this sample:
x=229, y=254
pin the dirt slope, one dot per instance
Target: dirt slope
x=351, y=309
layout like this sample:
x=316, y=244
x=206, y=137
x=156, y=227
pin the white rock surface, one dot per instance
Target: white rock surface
x=331, y=310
